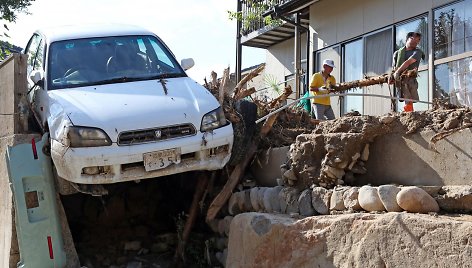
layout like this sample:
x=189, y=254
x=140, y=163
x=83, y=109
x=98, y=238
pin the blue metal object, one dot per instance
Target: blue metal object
x=37, y=220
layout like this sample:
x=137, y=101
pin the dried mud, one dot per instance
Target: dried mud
x=337, y=150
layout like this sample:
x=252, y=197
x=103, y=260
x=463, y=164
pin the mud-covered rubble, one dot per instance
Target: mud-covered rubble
x=337, y=150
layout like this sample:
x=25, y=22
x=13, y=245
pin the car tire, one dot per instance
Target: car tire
x=243, y=130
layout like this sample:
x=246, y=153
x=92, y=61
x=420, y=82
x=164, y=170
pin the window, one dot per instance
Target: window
x=453, y=29
x=32, y=51
x=453, y=81
x=352, y=70
x=378, y=49
x=419, y=25
x=452, y=51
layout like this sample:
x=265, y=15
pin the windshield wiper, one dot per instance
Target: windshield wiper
x=121, y=79
x=167, y=75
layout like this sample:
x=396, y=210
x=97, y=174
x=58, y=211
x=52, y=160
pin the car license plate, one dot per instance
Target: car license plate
x=161, y=159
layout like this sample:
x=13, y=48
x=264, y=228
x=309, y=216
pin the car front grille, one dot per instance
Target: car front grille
x=155, y=134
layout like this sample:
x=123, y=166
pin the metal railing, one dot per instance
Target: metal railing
x=252, y=10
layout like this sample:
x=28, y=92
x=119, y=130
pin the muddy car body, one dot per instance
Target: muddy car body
x=118, y=106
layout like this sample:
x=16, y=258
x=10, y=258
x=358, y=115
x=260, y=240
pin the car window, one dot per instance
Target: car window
x=32, y=51
x=101, y=60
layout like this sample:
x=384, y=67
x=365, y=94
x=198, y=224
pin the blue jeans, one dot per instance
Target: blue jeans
x=322, y=112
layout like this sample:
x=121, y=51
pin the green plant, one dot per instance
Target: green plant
x=253, y=15
x=270, y=81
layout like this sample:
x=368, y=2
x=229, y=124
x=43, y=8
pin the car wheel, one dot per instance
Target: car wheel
x=243, y=130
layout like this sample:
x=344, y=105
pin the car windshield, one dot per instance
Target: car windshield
x=95, y=61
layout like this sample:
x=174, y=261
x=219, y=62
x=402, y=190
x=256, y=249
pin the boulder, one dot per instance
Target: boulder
x=369, y=199
x=271, y=199
x=388, y=197
x=337, y=201
x=304, y=203
x=350, y=240
x=233, y=204
x=253, y=194
x=414, y=199
x=350, y=199
x=320, y=198
x=288, y=198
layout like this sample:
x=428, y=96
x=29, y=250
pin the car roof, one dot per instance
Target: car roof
x=68, y=32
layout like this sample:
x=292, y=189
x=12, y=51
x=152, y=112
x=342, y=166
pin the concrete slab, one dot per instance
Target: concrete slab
x=266, y=167
x=409, y=160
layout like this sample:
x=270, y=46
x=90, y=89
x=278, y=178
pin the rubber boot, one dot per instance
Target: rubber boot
x=408, y=107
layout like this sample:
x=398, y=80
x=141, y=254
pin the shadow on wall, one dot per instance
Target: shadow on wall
x=409, y=160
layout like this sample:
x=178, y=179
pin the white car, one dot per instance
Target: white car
x=119, y=107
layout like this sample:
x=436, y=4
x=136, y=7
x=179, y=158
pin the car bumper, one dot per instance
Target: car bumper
x=112, y=164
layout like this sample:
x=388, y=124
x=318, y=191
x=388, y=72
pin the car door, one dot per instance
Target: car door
x=37, y=95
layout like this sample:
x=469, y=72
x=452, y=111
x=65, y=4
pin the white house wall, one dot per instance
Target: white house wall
x=335, y=21
x=280, y=59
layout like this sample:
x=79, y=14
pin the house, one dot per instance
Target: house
x=361, y=36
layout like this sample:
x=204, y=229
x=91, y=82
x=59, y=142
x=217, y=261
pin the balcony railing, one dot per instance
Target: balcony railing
x=252, y=10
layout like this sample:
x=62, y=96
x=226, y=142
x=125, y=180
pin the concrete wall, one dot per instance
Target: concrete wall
x=13, y=83
x=450, y=164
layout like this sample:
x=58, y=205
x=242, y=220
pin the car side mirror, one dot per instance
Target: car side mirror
x=187, y=63
x=37, y=77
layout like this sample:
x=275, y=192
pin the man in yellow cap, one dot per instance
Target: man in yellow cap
x=319, y=86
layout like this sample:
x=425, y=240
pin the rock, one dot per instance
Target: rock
x=253, y=196
x=233, y=204
x=337, y=202
x=260, y=197
x=354, y=160
x=350, y=199
x=388, y=197
x=247, y=200
x=365, y=153
x=359, y=168
x=226, y=224
x=332, y=172
x=451, y=123
x=369, y=199
x=414, y=199
x=320, y=198
x=455, y=198
x=288, y=198
x=304, y=203
x=132, y=245
x=240, y=197
x=350, y=240
x=387, y=119
x=271, y=199
x=290, y=175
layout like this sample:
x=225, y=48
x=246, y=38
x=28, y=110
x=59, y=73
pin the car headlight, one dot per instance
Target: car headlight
x=87, y=137
x=213, y=120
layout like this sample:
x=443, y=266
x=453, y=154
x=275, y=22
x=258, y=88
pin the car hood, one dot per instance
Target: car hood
x=135, y=105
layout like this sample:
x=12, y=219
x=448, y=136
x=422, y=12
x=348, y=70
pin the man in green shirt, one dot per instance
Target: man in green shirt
x=407, y=58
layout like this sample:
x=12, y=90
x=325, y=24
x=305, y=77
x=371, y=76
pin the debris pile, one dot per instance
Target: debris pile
x=336, y=151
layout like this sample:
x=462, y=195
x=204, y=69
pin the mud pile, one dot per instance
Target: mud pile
x=337, y=151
